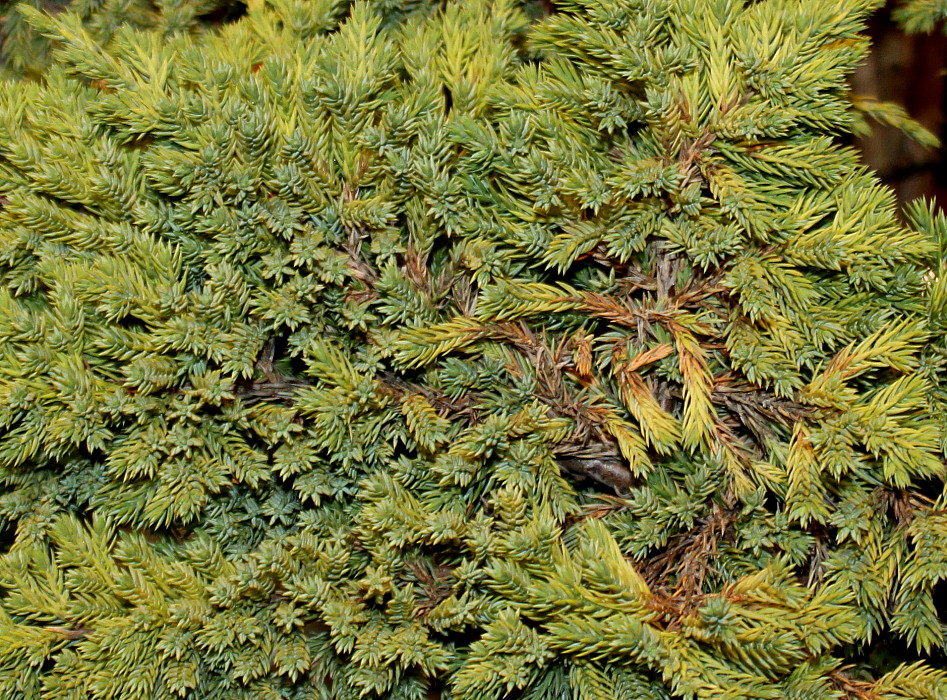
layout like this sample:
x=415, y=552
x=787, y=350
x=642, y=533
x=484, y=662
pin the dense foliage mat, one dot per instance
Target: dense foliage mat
x=352, y=353
x=24, y=51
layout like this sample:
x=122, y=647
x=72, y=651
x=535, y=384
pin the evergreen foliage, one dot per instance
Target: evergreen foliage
x=921, y=15
x=26, y=52
x=399, y=351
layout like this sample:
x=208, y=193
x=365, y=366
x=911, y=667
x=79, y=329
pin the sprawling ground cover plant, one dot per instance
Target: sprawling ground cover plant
x=349, y=352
